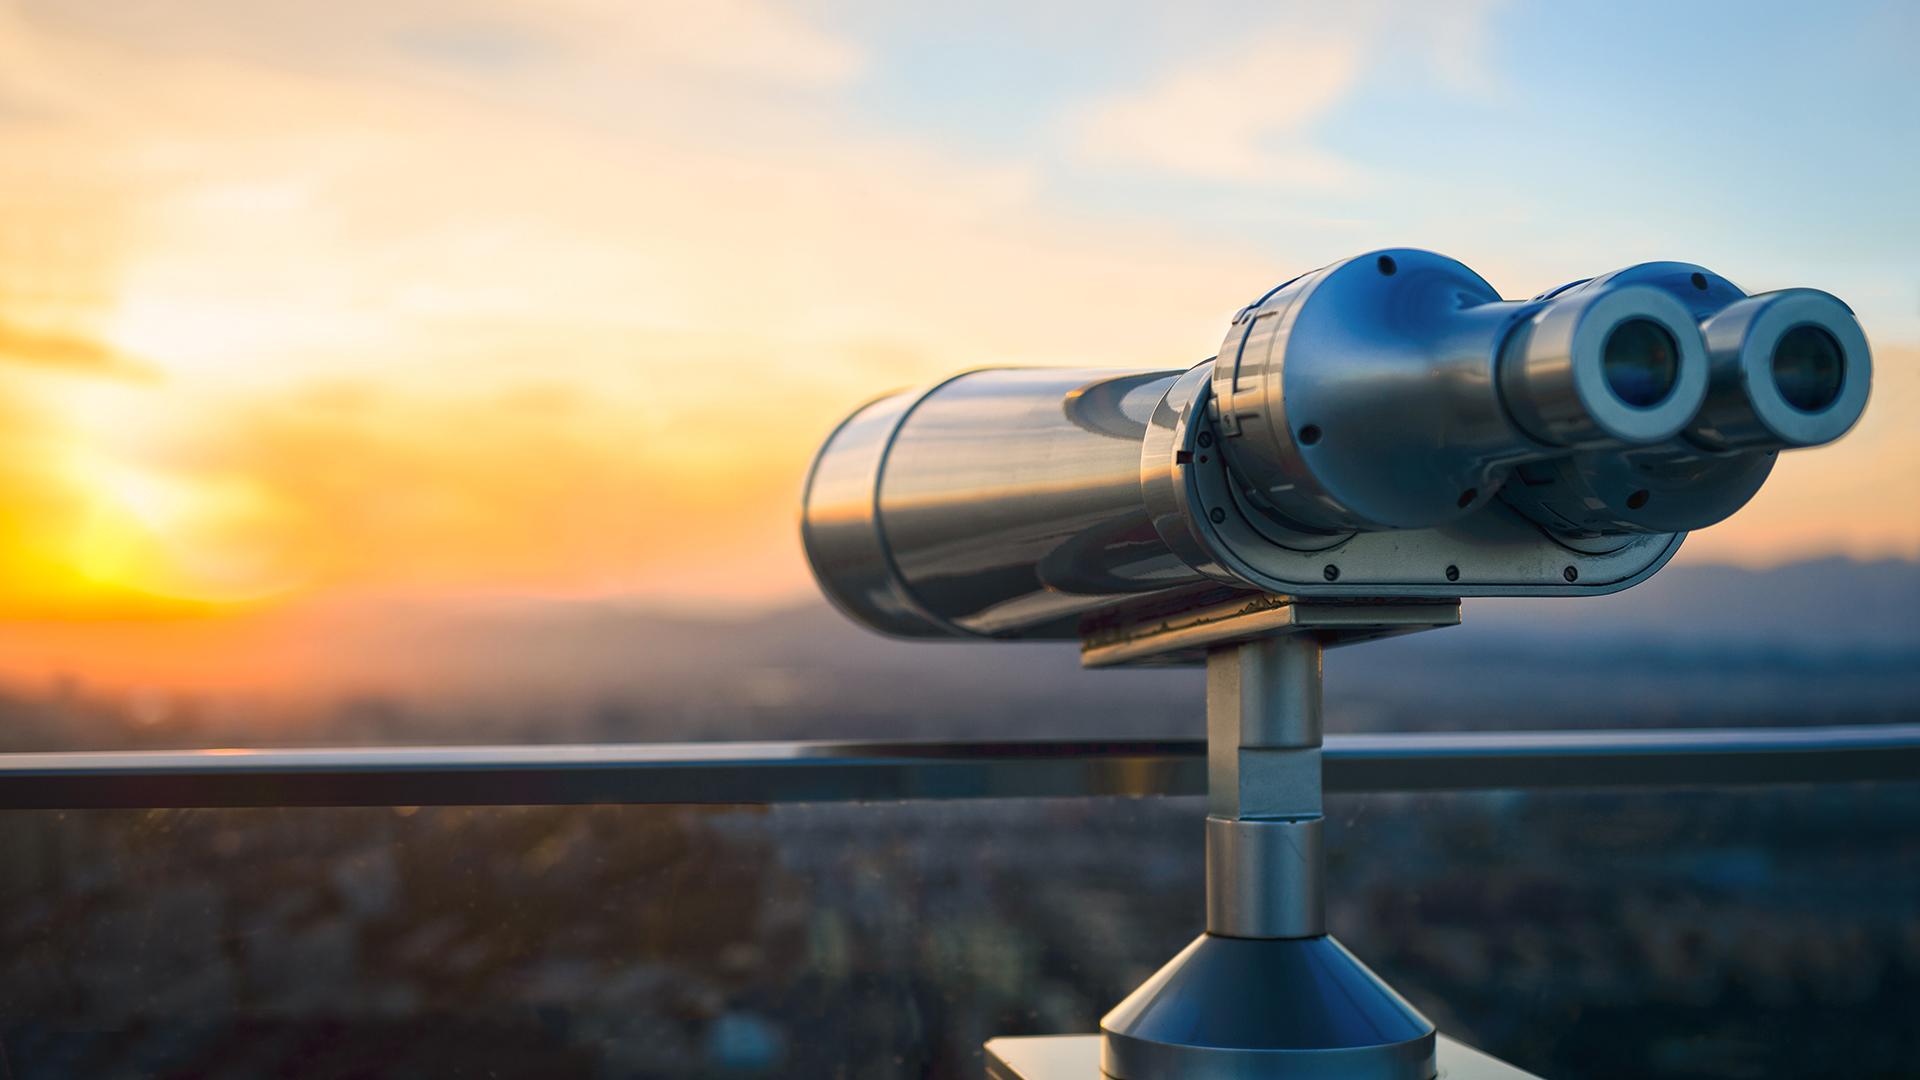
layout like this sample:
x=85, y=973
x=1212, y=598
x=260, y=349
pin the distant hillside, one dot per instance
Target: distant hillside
x=1820, y=641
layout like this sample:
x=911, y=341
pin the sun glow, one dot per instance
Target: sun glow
x=180, y=538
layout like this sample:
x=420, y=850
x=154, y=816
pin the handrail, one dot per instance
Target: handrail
x=775, y=772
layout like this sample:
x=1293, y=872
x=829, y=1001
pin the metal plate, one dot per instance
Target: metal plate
x=1077, y=1057
x=1138, y=636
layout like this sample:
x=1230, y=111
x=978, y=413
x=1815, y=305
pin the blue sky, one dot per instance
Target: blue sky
x=1779, y=143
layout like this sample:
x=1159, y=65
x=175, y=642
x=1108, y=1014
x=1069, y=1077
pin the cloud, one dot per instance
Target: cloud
x=751, y=41
x=1246, y=117
x=344, y=488
x=68, y=353
x=283, y=221
x=1250, y=113
x=535, y=488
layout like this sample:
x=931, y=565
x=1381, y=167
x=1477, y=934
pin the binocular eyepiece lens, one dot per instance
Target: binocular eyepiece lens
x=1808, y=367
x=1641, y=362
x=1794, y=369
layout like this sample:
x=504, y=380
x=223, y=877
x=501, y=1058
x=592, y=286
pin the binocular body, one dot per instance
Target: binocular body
x=1385, y=427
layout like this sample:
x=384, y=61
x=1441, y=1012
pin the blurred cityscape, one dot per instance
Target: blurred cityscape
x=1738, y=933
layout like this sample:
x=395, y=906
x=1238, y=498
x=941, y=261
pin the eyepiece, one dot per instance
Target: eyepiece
x=1641, y=362
x=1790, y=369
x=1808, y=368
x=1604, y=367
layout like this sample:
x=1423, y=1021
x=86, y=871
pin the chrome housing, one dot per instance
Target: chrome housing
x=1387, y=426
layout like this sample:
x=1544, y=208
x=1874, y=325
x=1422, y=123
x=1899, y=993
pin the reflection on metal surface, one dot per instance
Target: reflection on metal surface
x=995, y=502
x=1229, y=1008
x=853, y=771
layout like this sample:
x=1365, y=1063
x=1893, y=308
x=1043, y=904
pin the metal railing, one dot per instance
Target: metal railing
x=775, y=772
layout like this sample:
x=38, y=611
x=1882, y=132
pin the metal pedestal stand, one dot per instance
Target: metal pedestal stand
x=1265, y=993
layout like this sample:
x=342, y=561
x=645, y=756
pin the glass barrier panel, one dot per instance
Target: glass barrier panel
x=1765, y=932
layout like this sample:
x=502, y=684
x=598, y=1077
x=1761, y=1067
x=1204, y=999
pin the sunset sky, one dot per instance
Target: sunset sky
x=308, y=303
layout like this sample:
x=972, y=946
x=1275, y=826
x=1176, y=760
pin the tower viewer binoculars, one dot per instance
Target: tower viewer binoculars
x=1386, y=426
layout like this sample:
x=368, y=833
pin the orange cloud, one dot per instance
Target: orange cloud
x=536, y=488
x=356, y=488
x=69, y=353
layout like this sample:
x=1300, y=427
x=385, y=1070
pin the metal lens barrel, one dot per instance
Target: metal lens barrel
x=993, y=502
x=1605, y=369
x=1790, y=369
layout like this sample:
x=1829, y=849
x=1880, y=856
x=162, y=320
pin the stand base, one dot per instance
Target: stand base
x=1231, y=1008
x=1077, y=1057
